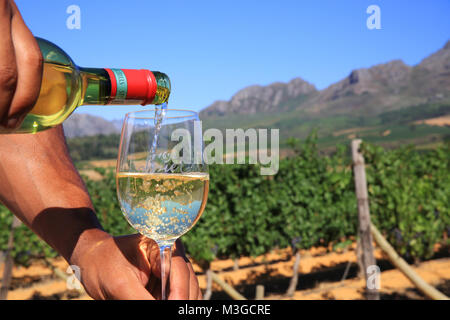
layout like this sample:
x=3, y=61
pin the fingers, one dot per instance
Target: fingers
x=8, y=67
x=115, y=269
x=134, y=250
x=154, y=287
x=183, y=282
x=29, y=69
x=179, y=279
x=194, y=290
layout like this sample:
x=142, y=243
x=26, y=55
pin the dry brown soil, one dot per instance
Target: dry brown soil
x=320, y=277
x=439, y=121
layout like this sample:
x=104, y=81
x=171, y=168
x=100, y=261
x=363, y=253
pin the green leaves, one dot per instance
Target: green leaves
x=409, y=196
x=310, y=202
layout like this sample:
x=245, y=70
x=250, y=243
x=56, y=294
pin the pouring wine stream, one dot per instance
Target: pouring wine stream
x=165, y=251
x=159, y=118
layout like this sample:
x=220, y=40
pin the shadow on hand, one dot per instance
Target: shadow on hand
x=62, y=227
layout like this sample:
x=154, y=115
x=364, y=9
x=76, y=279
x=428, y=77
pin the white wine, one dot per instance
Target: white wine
x=162, y=206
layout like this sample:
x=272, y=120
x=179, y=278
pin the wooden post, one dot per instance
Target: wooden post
x=227, y=288
x=364, y=233
x=259, y=292
x=209, y=280
x=236, y=264
x=404, y=267
x=294, y=280
x=9, y=262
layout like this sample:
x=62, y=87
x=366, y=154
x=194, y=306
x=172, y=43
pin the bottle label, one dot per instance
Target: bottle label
x=132, y=86
x=121, y=84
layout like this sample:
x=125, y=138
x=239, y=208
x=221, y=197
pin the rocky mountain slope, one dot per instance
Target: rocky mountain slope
x=384, y=87
x=256, y=98
x=81, y=124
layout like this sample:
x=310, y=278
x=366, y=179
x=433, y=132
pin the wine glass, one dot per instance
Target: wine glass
x=162, y=181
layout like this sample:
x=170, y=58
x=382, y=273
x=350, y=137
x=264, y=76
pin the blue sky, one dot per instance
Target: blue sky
x=211, y=49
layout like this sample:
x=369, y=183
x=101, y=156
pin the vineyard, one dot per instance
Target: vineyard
x=310, y=203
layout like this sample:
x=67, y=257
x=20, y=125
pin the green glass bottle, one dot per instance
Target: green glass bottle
x=65, y=86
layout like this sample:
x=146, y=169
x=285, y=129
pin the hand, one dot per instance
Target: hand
x=128, y=267
x=40, y=185
x=20, y=66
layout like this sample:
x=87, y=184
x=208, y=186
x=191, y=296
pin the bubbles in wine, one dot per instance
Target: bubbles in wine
x=162, y=206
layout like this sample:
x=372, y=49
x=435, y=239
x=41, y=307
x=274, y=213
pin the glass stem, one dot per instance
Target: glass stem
x=165, y=252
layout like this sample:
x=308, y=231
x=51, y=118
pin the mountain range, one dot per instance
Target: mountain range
x=389, y=86
x=365, y=98
x=371, y=103
x=83, y=124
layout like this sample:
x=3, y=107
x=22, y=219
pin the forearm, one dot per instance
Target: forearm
x=39, y=184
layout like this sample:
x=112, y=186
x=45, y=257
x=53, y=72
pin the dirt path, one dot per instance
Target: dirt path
x=439, y=121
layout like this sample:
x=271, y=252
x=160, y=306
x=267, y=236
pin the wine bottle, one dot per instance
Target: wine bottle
x=65, y=86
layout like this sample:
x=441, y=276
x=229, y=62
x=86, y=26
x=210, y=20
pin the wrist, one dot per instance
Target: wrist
x=69, y=230
x=88, y=241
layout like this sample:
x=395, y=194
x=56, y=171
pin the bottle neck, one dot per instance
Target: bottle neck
x=123, y=86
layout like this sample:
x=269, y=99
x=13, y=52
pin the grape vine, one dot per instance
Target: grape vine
x=310, y=202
